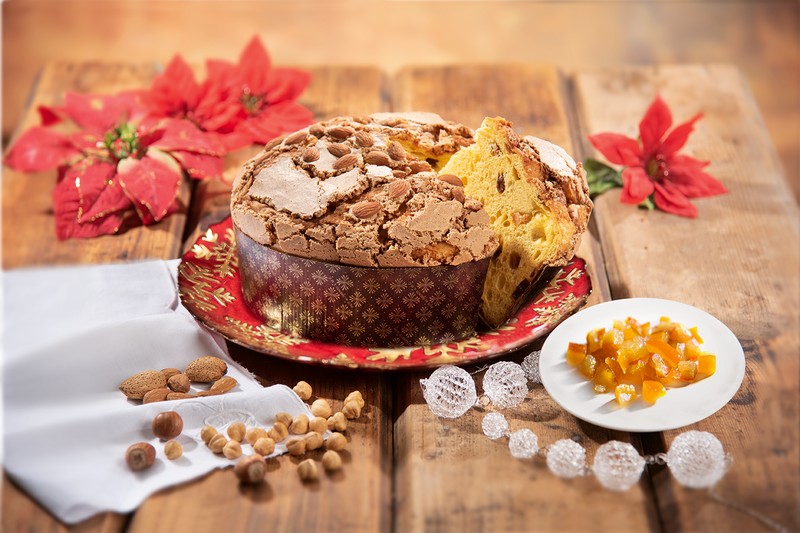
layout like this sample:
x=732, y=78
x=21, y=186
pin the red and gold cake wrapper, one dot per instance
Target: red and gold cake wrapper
x=360, y=306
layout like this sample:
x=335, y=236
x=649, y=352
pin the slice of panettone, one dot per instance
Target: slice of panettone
x=538, y=202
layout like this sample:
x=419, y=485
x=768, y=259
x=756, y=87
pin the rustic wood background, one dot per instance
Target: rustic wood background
x=760, y=37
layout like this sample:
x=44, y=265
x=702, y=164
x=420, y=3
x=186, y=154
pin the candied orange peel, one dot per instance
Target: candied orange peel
x=634, y=359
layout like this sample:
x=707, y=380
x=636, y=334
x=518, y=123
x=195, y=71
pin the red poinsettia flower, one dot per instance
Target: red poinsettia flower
x=653, y=166
x=118, y=167
x=245, y=103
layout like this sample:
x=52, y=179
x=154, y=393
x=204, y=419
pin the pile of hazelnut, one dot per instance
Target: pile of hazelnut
x=308, y=436
x=172, y=384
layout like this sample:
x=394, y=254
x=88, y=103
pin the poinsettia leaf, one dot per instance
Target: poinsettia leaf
x=678, y=137
x=648, y=204
x=200, y=166
x=219, y=108
x=601, y=177
x=254, y=66
x=96, y=113
x=185, y=136
x=275, y=120
x=618, y=149
x=50, y=115
x=636, y=185
x=87, y=201
x=671, y=200
x=657, y=120
x=286, y=84
x=174, y=92
x=39, y=149
x=152, y=185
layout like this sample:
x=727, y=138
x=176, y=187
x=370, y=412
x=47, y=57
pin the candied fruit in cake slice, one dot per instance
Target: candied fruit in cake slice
x=624, y=394
x=707, y=364
x=652, y=391
x=588, y=366
x=575, y=353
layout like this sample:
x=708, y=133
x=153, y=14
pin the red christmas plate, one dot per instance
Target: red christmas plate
x=209, y=286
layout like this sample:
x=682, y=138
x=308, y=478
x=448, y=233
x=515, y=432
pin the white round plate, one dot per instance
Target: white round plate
x=680, y=406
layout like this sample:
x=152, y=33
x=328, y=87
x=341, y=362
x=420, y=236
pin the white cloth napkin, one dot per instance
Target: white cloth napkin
x=71, y=336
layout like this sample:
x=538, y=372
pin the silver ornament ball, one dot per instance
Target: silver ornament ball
x=505, y=384
x=697, y=459
x=449, y=391
x=617, y=465
x=566, y=458
x=523, y=444
x=494, y=425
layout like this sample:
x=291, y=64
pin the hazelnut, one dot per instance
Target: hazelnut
x=278, y=432
x=167, y=425
x=336, y=442
x=331, y=460
x=173, y=450
x=303, y=390
x=250, y=469
x=217, y=442
x=318, y=424
x=284, y=418
x=207, y=432
x=355, y=395
x=313, y=440
x=351, y=410
x=337, y=422
x=264, y=446
x=232, y=449
x=299, y=425
x=307, y=470
x=321, y=408
x=296, y=446
x=237, y=431
x=253, y=434
x=140, y=456
x=179, y=383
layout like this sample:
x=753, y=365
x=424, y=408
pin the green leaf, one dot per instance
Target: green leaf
x=601, y=177
x=648, y=204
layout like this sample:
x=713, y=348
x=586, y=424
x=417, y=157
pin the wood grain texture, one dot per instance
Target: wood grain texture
x=28, y=225
x=449, y=476
x=738, y=261
x=359, y=497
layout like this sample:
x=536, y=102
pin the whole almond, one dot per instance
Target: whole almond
x=169, y=372
x=452, y=179
x=377, y=158
x=399, y=174
x=366, y=209
x=340, y=132
x=396, y=151
x=398, y=189
x=155, y=395
x=206, y=369
x=338, y=149
x=135, y=387
x=361, y=119
x=179, y=383
x=419, y=166
x=346, y=162
x=364, y=139
x=316, y=130
x=310, y=154
x=458, y=195
x=295, y=138
x=224, y=384
x=204, y=393
x=179, y=396
x=274, y=142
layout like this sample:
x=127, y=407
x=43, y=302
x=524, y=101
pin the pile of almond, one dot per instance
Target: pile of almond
x=172, y=384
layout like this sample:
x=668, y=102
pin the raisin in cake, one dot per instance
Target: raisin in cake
x=538, y=202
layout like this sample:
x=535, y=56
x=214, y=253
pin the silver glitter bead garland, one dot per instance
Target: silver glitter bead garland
x=695, y=458
x=506, y=384
x=530, y=365
x=449, y=391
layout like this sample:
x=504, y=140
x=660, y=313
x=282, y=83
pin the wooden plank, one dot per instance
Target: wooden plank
x=359, y=497
x=449, y=476
x=28, y=227
x=738, y=260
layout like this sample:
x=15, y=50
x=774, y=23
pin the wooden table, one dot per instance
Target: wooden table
x=405, y=469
